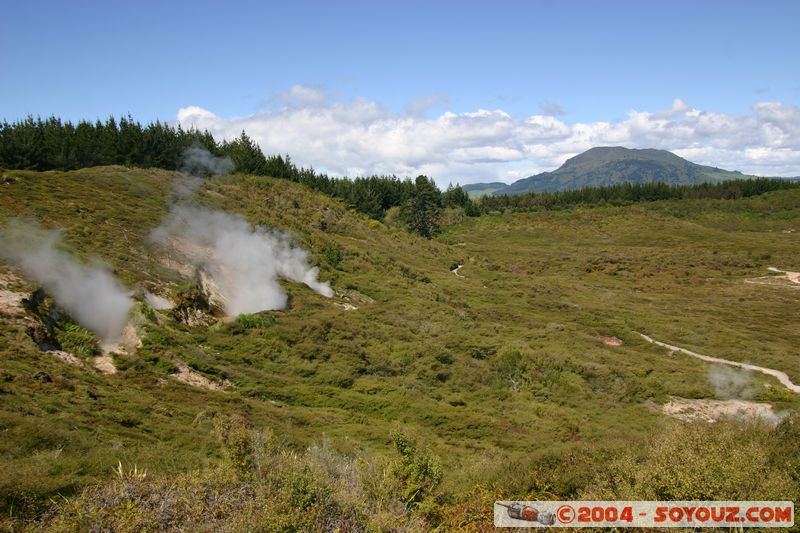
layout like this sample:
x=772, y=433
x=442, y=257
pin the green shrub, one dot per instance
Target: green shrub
x=78, y=340
x=255, y=320
x=721, y=461
x=148, y=312
x=333, y=256
x=162, y=364
x=237, y=437
x=419, y=471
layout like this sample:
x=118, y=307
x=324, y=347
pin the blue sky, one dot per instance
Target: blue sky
x=582, y=62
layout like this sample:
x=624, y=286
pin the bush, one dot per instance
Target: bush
x=333, y=256
x=262, y=486
x=78, y=340
x=720, y=461
x=419, y=472
x=255, y=320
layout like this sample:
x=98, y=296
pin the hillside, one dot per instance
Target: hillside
x=602, y=166
x=522, y=372
x=476, y=190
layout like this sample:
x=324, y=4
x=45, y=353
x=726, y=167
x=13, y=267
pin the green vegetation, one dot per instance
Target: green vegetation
x=422, y=210
x=693, y=463
x=51, y=144
x=435, y=396
x=598, y=176
x=258, y=485
x=79, y=340
x=255, y=320
x=628, y=193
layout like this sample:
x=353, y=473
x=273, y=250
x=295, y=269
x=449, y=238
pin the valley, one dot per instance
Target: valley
x=486, y=345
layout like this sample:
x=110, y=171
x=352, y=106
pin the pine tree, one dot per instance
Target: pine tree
x=421, y=211
x=246, y=155
x=454, y=197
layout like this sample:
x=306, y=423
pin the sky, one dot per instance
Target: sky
x=462, y=91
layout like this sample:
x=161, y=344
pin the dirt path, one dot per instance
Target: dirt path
x=794, y=277
x=781, y=376
x=789, y=279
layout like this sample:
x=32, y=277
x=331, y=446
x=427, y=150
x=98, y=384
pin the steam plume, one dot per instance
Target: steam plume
x=196, y=164
x=91, y=295
x=731, y=383
x=244, y=262
x=197, y=161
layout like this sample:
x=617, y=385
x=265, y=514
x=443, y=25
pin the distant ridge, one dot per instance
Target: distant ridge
x=611, y=165
x=480, y=189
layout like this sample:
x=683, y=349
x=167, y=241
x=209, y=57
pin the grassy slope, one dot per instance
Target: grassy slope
x=497, y=366
x=675, y=270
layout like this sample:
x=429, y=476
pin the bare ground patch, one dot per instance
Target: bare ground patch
x=713, y=410
x=350, y=297
x=181, y=268
x=105, y=365
x=10, y=300
x=611, y=341
x=129, y=341
x=66, y=357
x=195, y=379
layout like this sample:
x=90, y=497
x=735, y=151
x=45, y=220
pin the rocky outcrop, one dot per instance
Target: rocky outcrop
x=200, y=304
x=42, y=328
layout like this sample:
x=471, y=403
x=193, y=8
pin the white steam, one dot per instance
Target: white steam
x=156, y=302
x=197, y=161
x=90, y=294
x=196, y=164
x=244, y=262
x=731, y=383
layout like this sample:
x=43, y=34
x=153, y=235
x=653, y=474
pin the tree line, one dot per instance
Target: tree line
x=628, y=193
x=53, y=144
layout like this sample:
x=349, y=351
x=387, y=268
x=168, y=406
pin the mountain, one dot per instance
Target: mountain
x=602, y=166
x=475, y=190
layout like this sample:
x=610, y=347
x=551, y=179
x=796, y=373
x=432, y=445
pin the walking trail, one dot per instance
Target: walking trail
x=781, y=376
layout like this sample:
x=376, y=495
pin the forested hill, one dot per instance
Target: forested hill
x=604, y=166
x=53, y=144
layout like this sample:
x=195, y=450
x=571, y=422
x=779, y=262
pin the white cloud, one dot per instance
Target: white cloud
x=362, y=137
x=300, y=96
